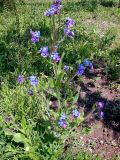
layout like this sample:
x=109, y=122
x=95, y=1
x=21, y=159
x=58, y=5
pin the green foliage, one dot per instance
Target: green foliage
x=113, y=67
x=89, y=5
x=29, y=133
x=113, y=72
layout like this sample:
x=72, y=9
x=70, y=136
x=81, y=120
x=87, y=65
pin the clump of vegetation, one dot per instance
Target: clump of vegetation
x=45, y=57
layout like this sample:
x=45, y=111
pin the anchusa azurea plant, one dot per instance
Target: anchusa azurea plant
x=41, y=88
x=52, y=55
x=37, y=125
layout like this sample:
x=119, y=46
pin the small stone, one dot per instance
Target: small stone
x=101, y=142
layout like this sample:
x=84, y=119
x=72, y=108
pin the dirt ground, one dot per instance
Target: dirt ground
x=104, y=139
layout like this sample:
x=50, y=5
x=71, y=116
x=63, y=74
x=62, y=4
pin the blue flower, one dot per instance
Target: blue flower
x=62, y=123
x=63, y=116
x=100, y=105
x=66, y=68
x=54, y=9
x=33, y=80
x=50, y=12
x=76, y=113
x=20, y=79
x=34, y=39
x=35, y=36
x=81, y=69
x=69, y=22
x=91, y=65
x=44, y=51
x=68, y=33
x=86, y=62
x=101, y=114
x=55, y=57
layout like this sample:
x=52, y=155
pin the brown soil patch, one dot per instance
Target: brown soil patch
x=104, y=140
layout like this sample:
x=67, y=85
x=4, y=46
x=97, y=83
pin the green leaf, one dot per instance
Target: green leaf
x=23, y=123
x=51, y=83
x=75, y=98
x=18, y=137
x=8, y=132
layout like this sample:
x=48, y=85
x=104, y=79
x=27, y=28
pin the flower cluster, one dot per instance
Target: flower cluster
x=76, y=113
x=62, y=121
x=88, y=63
x=81, y=67
x=33, y=80
x=20, y=79
x=69, y=22
x=55, y=57
x=66, y=68
x=35, y=36
x=44, y=51
x=54, y=9
x=67, y=31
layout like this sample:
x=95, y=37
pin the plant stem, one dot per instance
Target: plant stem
x=59, y=26
x=54, y=31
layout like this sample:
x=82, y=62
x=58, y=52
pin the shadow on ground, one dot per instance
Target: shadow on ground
x=91, y=93
x=97, y=87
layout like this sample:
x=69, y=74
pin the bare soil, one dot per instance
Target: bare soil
x=105, y=135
